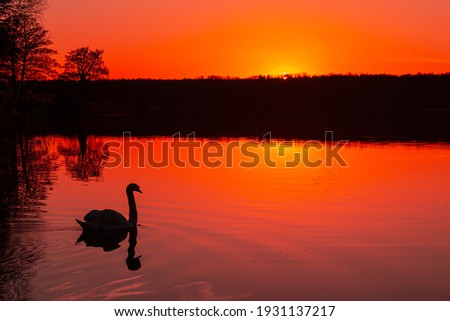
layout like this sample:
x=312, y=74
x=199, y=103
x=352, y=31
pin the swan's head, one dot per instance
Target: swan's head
x=133, y=263
x=133, y=188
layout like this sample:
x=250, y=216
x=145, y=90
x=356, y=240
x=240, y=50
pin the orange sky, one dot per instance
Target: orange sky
x=189, y=38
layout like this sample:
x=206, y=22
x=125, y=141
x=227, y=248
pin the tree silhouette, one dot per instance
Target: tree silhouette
x=84, y=64
x=25, y=52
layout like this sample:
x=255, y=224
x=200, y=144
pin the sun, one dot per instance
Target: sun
x=286, y=71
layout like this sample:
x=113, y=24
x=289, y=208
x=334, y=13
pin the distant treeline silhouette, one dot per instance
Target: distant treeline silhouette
x=412, y=107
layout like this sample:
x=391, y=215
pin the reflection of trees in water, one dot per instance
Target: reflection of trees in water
x=83, y=157
x=27, y=172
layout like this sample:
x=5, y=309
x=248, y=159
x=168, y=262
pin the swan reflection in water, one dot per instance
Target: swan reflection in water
x=110, y=241
x=107, y=228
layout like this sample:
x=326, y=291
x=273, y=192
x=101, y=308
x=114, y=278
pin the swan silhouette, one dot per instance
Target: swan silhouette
x=110, y=220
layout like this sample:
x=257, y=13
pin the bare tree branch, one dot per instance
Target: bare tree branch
x=25, y=52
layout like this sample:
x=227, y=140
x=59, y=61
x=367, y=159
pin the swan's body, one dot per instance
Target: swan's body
x=104, y=220
x=109, y=220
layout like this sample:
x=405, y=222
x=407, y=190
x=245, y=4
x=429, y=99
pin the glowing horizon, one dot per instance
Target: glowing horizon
x=187, y=39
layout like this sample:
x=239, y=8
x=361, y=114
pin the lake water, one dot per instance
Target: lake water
x=378, y=229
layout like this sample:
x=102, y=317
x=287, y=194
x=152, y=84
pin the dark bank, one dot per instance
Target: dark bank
x=366, y=107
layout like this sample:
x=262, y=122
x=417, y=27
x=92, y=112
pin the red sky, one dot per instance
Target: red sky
x=189, y=38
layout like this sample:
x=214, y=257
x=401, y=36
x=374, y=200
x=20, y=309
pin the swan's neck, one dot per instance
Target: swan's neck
x=133, y=211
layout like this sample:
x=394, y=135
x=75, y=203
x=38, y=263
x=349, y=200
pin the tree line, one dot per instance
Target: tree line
x=26, y=53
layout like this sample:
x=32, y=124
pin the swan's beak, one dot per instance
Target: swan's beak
x=139, y=191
